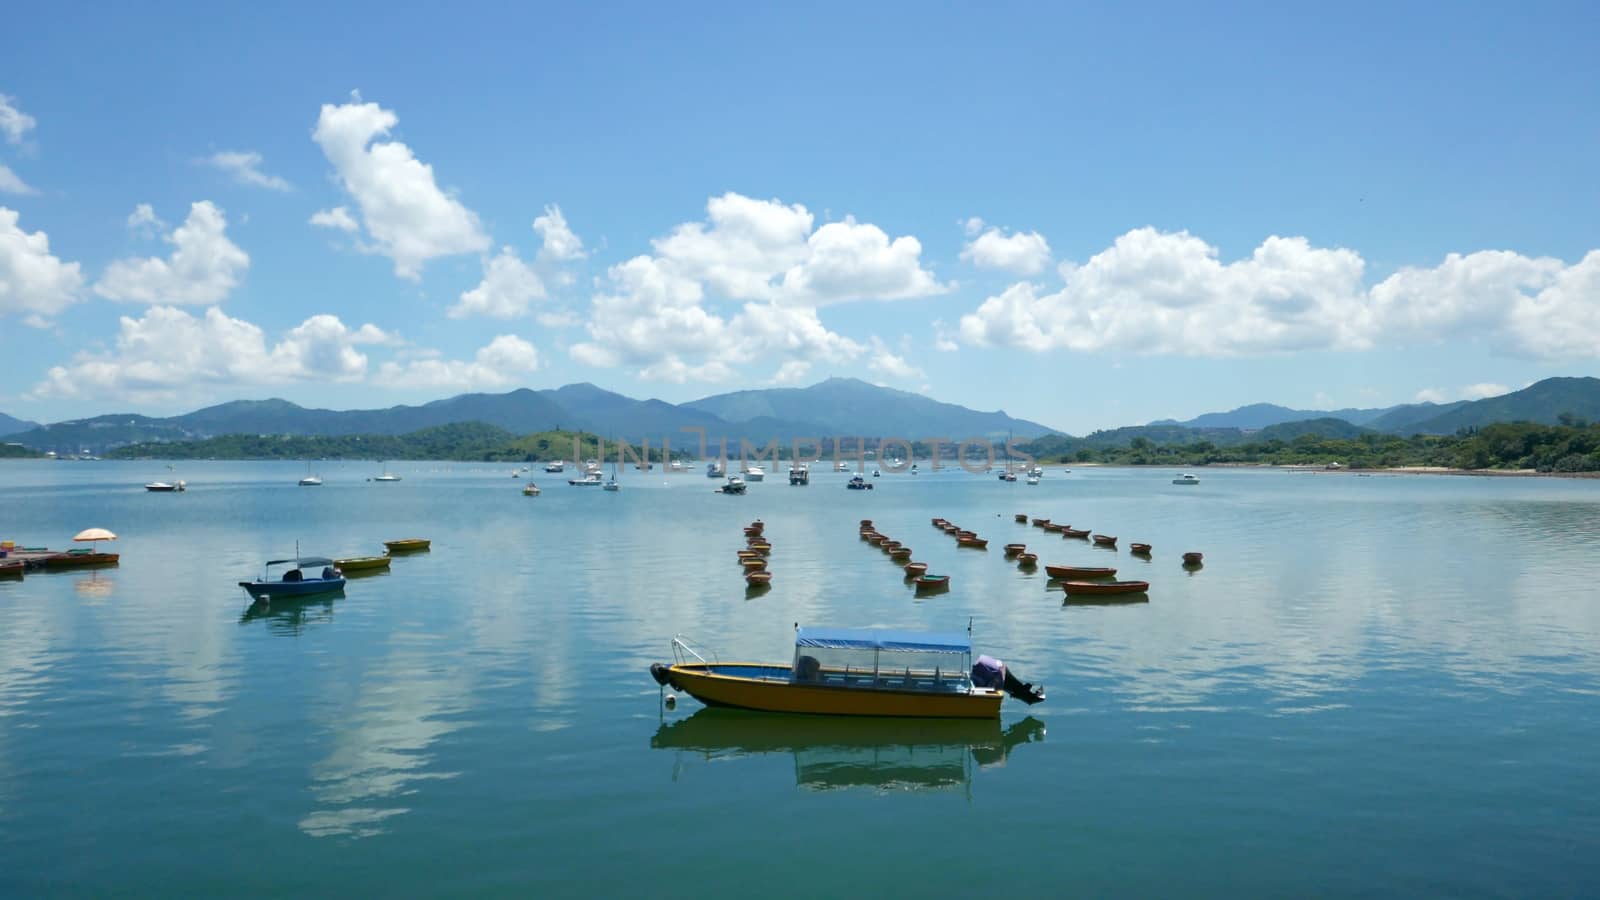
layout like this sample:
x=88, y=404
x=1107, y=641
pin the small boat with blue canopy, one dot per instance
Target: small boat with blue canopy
x=854, y=672
x=305, y=576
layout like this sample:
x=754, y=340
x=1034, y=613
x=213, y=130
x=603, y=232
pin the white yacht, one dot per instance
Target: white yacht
x=677, y=466
x=592, y=467
x=713, y=469
x=1186, y=478
x=557, y=466
x=841, y=467
x=753, y=472
x=590, y=480
x=799, y=474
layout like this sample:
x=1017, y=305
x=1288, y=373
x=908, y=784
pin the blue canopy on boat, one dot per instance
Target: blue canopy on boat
x=882, y=639
x=304, y=562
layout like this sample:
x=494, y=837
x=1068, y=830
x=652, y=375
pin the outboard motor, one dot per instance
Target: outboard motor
x=992, y=673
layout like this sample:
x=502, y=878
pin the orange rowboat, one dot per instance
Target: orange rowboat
x=1080, y=572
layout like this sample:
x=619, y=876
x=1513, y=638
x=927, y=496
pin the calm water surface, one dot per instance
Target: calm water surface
x=1375, y=686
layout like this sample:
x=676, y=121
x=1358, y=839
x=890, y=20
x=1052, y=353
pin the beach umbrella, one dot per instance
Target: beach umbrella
x=96, y=535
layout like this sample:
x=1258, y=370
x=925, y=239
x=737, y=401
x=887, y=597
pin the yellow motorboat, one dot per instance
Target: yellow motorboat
x=408, y=545
x=362, y=563
x=855, y=672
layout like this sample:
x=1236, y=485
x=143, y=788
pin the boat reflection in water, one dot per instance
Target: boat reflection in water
x=830, y=752
x=290, y=615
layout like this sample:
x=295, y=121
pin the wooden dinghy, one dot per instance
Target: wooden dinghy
x=915, y=569
x=758, y=578
x=1041, y=522
x=1027, y=560
x=930, y=583
x=1105, y=540
x=1012, y=550
x=1022, y=517
x=1080, y=572
x=1104, y=588
x=1074, y=532
x=1193, y=559
x=753, y=565
x=974, y=542
x=408, y=545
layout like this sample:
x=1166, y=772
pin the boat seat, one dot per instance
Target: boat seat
x=329, y=572
x=293, y=575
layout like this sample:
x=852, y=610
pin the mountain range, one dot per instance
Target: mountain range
x=836, y=407
x=1543, y=402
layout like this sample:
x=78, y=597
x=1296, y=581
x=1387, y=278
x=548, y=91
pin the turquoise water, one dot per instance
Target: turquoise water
x=1376, y=685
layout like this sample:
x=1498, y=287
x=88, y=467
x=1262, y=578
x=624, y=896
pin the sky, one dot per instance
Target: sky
x=1083, y=215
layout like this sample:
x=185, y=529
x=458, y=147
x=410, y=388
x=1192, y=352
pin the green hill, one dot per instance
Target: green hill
x=1544, y=402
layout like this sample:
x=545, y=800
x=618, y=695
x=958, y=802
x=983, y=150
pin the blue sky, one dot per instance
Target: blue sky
x=1088, y=217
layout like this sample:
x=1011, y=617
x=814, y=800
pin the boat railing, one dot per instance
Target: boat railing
x=683, y=648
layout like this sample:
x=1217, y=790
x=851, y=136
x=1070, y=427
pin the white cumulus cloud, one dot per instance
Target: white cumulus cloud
x=169, y=352
x=12, y=183
x=14, y=123
x=559, y=243
x=33, y=283
x=244, y=166
x=408, y=216
x=508, y=289
x=338, y=218
x=1483, y=390
x=663, y=314
x=498, y=364
x=1021, y=252
x=889, y=363
x=204, y=266
x=1168, y=293
x=144, y=222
